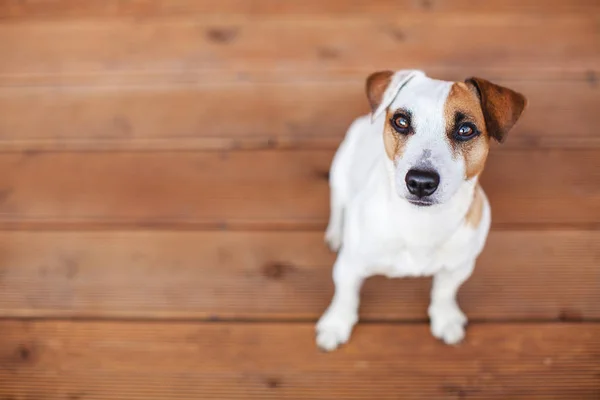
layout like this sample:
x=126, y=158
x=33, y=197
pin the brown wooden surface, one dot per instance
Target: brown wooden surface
x=163, y=195
x=263, y=188
x=33, y=9
x=91, y=360
x=277, y=275
x=189, y=44
x=253, y=114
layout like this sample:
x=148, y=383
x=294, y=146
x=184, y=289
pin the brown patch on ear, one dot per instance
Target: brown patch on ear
x=501, y=106
x=475, y=212
x=393, y=141
x=474, y=152
x=376, y=85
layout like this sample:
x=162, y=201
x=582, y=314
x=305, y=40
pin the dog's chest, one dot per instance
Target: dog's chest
x=401, y=244
x=402, y=261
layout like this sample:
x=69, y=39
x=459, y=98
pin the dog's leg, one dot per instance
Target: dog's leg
x=333, y=235
x=336, y=324
x=447, y=320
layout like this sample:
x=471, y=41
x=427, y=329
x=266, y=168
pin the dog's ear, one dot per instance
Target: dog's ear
x=383, y=87
x=501, y=106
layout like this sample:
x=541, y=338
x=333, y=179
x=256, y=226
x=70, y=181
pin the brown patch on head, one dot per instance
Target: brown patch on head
x=462, y=105
x=475, y=212
x=393, y=141
x=376, y=84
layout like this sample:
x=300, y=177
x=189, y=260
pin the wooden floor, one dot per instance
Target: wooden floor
x=163, y=198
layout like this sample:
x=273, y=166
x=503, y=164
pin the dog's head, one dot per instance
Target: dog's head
x=437, y=133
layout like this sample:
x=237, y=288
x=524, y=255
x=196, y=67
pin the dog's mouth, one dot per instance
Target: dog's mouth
x=420, y=202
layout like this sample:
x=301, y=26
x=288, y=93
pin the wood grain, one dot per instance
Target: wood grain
x=164, y=192
x=537, y=275
x=286, y=45
x=19, y=9
x=92, y=360
x=250, y=115
x=267, y=189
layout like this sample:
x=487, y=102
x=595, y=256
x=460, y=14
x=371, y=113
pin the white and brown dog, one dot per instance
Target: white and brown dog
x=405, y=198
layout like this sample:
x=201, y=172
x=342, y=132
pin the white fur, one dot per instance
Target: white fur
x=378, y=232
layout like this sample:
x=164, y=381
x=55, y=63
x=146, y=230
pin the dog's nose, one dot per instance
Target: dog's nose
x=422, y=183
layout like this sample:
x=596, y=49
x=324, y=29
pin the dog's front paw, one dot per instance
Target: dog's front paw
x=447, y=322
x=334, y=329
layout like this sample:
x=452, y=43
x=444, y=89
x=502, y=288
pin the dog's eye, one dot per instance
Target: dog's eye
x=466, y=131
x=401, y=123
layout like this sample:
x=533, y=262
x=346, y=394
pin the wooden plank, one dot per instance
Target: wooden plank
x=258, y=114
x=318, y=45
x=151, y=79
x=93, y=360
x=18, y=9
x=537, y=275
x=269, y=189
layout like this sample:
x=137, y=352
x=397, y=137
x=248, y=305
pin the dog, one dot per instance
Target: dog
x=405, y=198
